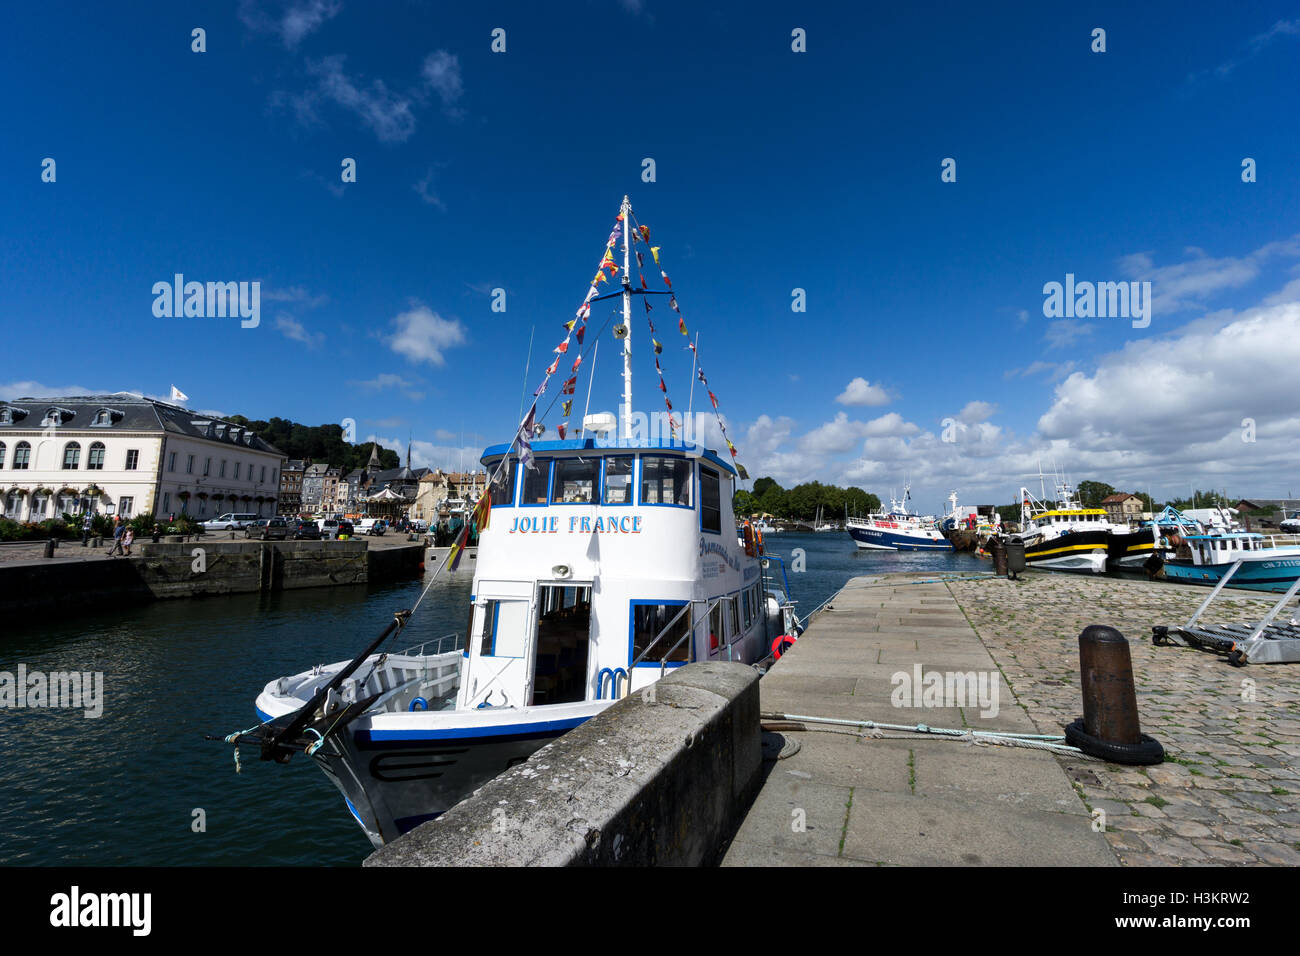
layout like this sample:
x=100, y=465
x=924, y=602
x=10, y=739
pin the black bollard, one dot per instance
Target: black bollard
x=1109, y=728
x=49, y=547
x=999, y=552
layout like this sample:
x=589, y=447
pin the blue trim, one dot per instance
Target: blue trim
x=619, y=446
x=542, y=727
x=631, y=630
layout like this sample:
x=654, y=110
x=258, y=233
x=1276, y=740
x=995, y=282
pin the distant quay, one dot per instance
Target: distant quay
x=196, y=568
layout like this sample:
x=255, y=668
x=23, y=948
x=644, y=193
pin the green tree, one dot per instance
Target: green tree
x=763, y=484
x=1091, y=493
x=744, y=503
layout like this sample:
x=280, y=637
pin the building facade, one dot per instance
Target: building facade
x=125, y=454
x=291, y=486
x=1122, y=508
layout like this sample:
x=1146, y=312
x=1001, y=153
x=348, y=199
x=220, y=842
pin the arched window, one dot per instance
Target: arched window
x=102, y=417
x=71, y=455
x=95, y=460
x=51, y=417
x=22, y=456
x=14, y=504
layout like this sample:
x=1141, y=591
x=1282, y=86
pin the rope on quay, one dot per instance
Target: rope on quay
x=1053, y=743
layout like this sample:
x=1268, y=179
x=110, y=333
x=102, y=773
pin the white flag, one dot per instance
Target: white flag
x=178, y=395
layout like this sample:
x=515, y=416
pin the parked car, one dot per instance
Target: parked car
x=373, y=526
x=231, y=521
x=345, y=530
x=306, y=530
x=1291, y=525
x=267, y=528
x=329, y=528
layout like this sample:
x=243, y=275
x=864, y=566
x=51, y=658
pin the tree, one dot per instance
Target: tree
x=762, y=484
x=1092, y=493
x=744, y=503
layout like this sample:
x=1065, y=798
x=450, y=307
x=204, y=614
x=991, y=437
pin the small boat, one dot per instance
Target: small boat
x=897, y=529
x=1207, y=558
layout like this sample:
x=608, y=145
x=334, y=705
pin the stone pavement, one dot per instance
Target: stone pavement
x=1229, y=790
x=847, y=798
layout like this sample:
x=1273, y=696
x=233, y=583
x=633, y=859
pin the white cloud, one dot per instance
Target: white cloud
x=977, y=412
x=293, y=329
x=388, y=380
x=424, y=189
x=388, y=114
x=1063, y=333
x=292, y=22
x=861, y=392
x=441, y=73
x=1191, y=283
x=834, y=437
x=423, y=335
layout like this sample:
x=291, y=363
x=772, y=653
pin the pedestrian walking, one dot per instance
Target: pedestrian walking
x=117, y=540
x=127, y=537
x=86, y=524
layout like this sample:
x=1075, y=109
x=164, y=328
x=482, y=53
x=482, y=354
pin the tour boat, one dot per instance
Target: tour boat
x=604, y=561
x=1207, y=558
x=898, y=529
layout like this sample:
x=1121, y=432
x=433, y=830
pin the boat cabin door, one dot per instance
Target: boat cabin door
x=562, y=660
x=500, y=646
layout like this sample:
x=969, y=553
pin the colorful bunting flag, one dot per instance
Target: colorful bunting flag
x=570, y=386
x=568, y=406
x=654, y=251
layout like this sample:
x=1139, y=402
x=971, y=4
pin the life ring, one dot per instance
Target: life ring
x=782, y=644
x=424, y=705
x=747, y=532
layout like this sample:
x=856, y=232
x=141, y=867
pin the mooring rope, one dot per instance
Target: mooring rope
x=1048, y=742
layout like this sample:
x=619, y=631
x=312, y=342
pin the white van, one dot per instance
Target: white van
x=231, y=521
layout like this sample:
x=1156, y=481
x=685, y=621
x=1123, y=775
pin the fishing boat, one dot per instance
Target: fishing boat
x=1209, y=558
x=897, y=529
x=602, y=564
x=1065, y=537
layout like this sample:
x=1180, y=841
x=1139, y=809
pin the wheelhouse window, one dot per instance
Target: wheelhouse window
x=665, y=481
x=536, y=483
x=710, y=501
x=503, y=487
x=22, y=456
x=618, y=480
x=71, y=455
x=575, y=481
x=95, y=460
x=648, y=620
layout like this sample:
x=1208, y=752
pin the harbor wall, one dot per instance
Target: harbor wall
x=661, y=778
x=198, y=569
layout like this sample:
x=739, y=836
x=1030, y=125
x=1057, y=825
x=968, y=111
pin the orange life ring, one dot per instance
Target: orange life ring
x=747, y=532
x=782, y=644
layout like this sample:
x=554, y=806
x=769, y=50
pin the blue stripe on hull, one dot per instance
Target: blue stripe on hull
x=1253, y=579
x=898, y=542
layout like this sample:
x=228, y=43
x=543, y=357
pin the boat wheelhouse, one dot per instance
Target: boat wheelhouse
x=1068, y=537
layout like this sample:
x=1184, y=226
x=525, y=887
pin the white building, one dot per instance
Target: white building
x=129, y=455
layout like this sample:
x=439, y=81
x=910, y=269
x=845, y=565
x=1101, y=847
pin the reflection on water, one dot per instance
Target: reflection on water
x=123, y=789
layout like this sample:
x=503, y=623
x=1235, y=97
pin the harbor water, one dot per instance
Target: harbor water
x=139, y=785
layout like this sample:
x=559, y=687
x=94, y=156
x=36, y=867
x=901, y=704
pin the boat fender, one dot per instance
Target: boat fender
x=418, y=704
x=782, y=644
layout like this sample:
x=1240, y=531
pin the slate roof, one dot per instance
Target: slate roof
x=131, y=412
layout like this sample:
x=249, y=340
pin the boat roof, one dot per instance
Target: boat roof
x=599, y=447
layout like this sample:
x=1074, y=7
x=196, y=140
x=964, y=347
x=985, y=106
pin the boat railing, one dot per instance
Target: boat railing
x=439, y=644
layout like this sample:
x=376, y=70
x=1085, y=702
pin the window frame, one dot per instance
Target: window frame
x=700, y=492
x=26, y=463
x=93, y=464
x=76, y=458
x=523, y=484
x=690, y=463
x=631, y=482
x=676, y=605
x=555, y=474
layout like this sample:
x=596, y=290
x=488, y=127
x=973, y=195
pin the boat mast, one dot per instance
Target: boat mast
x=626, y=212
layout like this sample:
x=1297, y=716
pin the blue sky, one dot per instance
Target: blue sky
x=775, y=170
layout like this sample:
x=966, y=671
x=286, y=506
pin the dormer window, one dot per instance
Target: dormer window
x=6, y=416
x=103, y=418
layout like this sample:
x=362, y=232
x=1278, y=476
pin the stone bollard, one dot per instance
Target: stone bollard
x=1109, y=727
x=50, y=545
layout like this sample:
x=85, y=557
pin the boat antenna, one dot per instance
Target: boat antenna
x=591, y=377
x=626, y=213
x=523, y=392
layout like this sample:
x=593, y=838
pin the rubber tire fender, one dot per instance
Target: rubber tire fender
x=1145, y=752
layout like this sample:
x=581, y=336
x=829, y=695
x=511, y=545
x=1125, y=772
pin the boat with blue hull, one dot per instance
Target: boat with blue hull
x=1208, y=558
x=897, y=529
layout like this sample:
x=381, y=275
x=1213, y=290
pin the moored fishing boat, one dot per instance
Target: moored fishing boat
x=1208, y=558
x=602, y=564
x=1065, y=538
x=897, y=529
